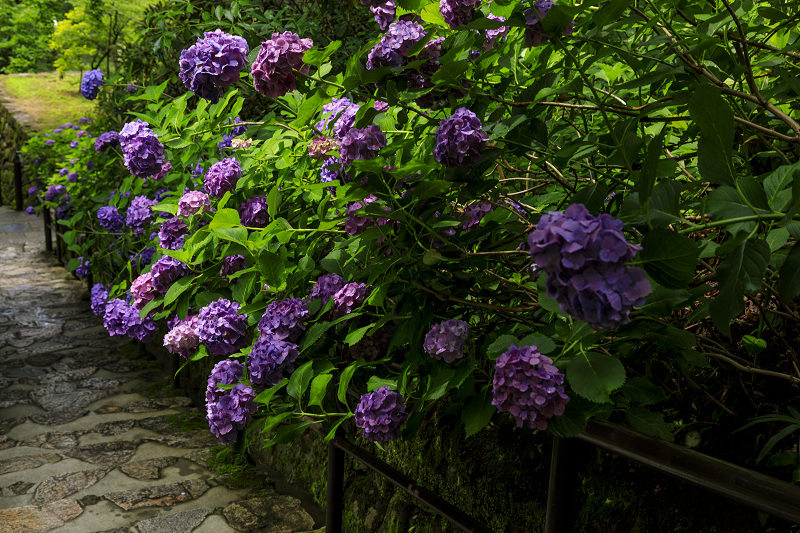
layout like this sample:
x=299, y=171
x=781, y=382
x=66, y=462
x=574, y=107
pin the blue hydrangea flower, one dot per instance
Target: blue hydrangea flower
x=91, y=83
x=213, y=63
x=271, y=360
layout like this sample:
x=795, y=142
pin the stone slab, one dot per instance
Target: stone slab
x=182, y=522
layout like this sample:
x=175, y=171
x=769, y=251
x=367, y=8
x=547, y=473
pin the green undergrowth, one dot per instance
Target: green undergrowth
x=189, y=420
x=238, y=472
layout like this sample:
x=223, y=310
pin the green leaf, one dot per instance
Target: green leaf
x=319, y=386
x=177, y=288
x=334, y=262
x=594, y=376
x=649, y=173
x=344, y=381
x=299, y=381
x=785, y=432
x=438, y=383
x=317, y=56
x=356, y=335
x=789, y=275
x=669, y=258
x=266, y=396
x=500, y=346
x=610, y=12
x=313, y=334
x=714, y=117
x=640, y=391
x=478, y=412
x=544, y=344
x=376, y=382
x=271, y=267
x=663, y=208
x=652, y=424
x=741, y=270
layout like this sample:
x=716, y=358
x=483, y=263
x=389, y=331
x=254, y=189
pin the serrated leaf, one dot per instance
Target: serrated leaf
x=714, y=117
x=778, y=186
x=299, y=381
x=669, y=258
x=177, y=288
x=266, y=396
x=789, y=275
x=376, y=382
x=439, y=383
x=649, y=173
x=652, y=424
x=319, y=386
x=544, y=344
x=640, y=391
x=478, y=412
x=595, y=376
x=500, y=345
x=741, y=270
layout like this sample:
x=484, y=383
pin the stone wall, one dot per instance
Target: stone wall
x=12, y=137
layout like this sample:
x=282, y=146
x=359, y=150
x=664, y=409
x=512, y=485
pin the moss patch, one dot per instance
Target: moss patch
x=47, y=98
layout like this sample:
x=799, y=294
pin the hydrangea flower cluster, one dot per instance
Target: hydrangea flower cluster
x=283, y=319
x=98, y=299
x=166, y=271
x=474, y=213
x=222, y=177
x=271, y=360
x=534, y=33
x=221, y=328
x=226, y=144
x=143, y=258
x=274, y=68
x=131, y=88
x=82, y=270
x=445, y=341
x=320, y=145
x=528, y=386
x=182, y=338
x=371, y=347
x=72, y=177
x=53, y=192
x=361, y=143
x=142, y=153
x=139, y=213
x=585, y=257
x=459, y=139
x=226, y=372
x=110, y=218
x=342, y=113
x=492, y=36
x=91, y=83
x=356, y=224
x=231, y=412
x=384, y=13
x=458, y=12
x=213, y=63
x=193, y=202
x=142, y=290
x=232, y=264
x=381, y=414
x=172, y=234
x=393, y=47
x=253, y=212
x=350, y=297
x=124, y=320
x=333, y=170
x=326, y=286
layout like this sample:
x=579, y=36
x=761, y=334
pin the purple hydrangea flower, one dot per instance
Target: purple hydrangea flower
x=232, y=264
x=167, y=270
x=82, y=270
x=231, y=412
x=384, y=13
x=585, y=257
x=131, y=88
x=445, y=341
x=72, y=177
x=459, y=139
x=49, y=142
x=53, y=192
x=142, y=290
x=356, y=224
x=492, y=36
x=270, y=361
x=106, y=140
x=342, y=113
x=30, y=210
x=528, y=386
x=99, y=299
x=222, y=177
x=361, y=144
x=381, y=106
x=274, y=69
x=534, y=33
x=474, y=213
x=58, y=130
x=333, y=170
x=110, y=218
x=458, y=12
x=350, y=297
x=91, y=83
x=221, y=328
x=214, y=63
x=283, y=319
x=113, y=316
x=142, y=153
x=73, y=144
x=139, y=213
x=395, y=44
x=123, y=319
x=226, y=372
x=253, y=212
x=326, y=286
x=172, y=234
x=81, y=133
x=381, y=414
x=32, y=190
x=193, y=202
x=143, y=258
x=63, y=172
x=182, y=338
x=320, y=145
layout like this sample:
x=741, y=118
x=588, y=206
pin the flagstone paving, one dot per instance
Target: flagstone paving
x=88, y=435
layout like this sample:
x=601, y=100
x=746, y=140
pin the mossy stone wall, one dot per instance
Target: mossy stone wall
x=12, y=137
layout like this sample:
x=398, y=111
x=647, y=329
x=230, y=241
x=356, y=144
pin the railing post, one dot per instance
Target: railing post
x=48, y=233
x=335, y=492
x=562, y=486
x=18, y=180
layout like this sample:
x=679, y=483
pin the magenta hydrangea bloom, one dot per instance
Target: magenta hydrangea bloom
x=274, y=69
x=355, y=224
x=534, y=33
x=492, y=36
x=222, y=177
x=193, y=202
x=142, y=153
x=284, y=319
x=445, y=341
x=166, y=271
x=361, y=144
x=585, y=258
x=213, y=63
x=142, y=290
x=528, y=387
x=110, y=218
x=91, y=82
x=172, y=234
x=381, y=414
x=474, y=213
x=271, y=360
x=393, y=47
x=221, y=328
x=231, y=412
x=226, y=372
x=140, y=214
x=253, y=212
x=340, y=112
x=350, y=297
x=459, y=139
x=182, y=338
x=232, y=264
x=326, y=286
x=105, y=140
x=98, y=299
x=384, y=13
x=458, y=12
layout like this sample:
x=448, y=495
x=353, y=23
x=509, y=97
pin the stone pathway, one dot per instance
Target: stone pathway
x=92, y=439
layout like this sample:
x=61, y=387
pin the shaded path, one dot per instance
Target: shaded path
x=91, y=437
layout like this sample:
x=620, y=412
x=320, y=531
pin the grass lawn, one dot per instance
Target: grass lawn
x=48, y=99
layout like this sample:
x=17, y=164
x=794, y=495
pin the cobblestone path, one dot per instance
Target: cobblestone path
x=92, y=439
